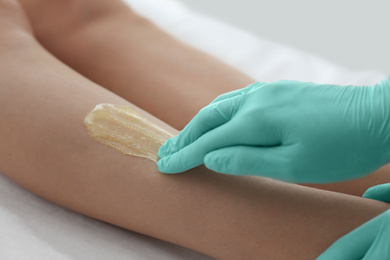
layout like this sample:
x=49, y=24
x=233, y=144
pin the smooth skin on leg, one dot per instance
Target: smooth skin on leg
x=47, y=149
x=143, y=64
x=110, y=44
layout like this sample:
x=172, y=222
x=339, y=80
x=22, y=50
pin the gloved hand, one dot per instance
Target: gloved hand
x=288, y=130
x=369, y=241
x=380, y=192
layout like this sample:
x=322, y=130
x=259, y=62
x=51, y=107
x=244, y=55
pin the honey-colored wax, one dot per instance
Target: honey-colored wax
x=126, y=130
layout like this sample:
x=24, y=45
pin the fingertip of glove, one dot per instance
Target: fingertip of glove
x=380, y=192
x=171, y=164
x=163, y=165
x=367, y=194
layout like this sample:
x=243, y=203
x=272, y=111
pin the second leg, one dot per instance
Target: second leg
x=133, y=58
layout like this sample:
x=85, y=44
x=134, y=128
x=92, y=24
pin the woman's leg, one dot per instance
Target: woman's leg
x=359, y=186
x=108, y=43
x=46, y=148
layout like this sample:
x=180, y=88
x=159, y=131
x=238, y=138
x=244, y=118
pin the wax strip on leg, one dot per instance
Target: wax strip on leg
x=126, y=130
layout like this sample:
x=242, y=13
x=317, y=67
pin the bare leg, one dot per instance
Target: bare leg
x=130, y=56
x=113, y=46
x=359, y=186
x=46, y=149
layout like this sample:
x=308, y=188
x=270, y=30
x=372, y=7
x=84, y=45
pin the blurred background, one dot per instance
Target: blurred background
x=352, y=33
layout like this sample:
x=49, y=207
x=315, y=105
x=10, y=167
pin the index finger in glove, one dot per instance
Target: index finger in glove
x=193, y=155
x=209, y=118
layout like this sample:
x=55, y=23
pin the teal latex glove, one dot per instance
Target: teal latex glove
x=379, y=192
x=288, y=130
x=370, y=241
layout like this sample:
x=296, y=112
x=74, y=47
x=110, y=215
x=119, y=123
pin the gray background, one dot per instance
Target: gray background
x=355, y=34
